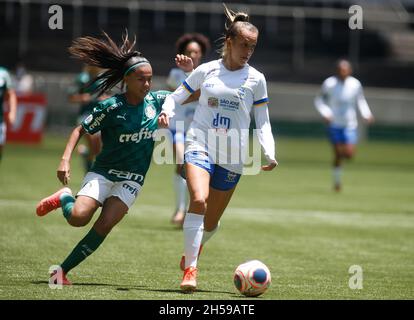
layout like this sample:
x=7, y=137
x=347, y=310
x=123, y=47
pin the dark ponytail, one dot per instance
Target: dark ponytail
x=105, y=54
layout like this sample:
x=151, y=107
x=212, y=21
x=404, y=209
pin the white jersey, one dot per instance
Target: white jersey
x=226, y=99
x=185, y=115
x=339, y=101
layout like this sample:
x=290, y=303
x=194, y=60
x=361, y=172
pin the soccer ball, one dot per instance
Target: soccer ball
x=252, y=278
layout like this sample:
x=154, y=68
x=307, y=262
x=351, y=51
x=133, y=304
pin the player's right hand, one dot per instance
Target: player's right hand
x=270, y=166
x=328, y=120
x=63, y=172
x=163, y=120
x=184, y=63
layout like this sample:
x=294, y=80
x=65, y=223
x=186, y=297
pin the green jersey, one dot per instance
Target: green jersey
x=5, y=84
x=81, y=86
x=127, y=133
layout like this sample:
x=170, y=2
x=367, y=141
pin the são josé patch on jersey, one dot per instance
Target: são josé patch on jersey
x=127, y=133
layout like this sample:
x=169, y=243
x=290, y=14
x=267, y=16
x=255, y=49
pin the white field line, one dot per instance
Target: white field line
x=268, y=215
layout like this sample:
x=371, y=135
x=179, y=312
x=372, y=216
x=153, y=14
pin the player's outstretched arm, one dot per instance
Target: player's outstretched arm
x=63, y=171
x=364, y=108
x=265, y=135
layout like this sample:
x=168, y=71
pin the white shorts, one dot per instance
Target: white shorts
x=2, y=133
x=99, y=188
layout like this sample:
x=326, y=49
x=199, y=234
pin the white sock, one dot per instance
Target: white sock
x=208, y=234
x=193, y=232
x=337, y=173
x=180, y=186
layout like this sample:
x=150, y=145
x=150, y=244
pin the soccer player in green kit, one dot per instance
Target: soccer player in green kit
x=127, y=123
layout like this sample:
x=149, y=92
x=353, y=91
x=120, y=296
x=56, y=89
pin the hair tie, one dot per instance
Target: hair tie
x=133, y=63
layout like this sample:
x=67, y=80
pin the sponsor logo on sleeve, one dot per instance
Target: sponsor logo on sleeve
x=97, y=122
x=88, y=120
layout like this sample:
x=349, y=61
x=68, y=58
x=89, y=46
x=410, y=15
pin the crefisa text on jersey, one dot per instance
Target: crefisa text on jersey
x=208, y=309
x=136, y=137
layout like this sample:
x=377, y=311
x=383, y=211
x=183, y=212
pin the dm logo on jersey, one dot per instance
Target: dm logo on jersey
x=150, y=111
x=221, y=121
x=213, y=102
x=123, y=117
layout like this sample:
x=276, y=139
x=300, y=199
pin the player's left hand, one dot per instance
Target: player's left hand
x=269, y=167
x=63, y=172
x=184, y=63
x=163, y=120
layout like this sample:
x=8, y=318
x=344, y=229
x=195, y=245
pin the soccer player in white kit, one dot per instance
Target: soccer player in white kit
x=195, y=46
x=230, y=88
x=340, y=96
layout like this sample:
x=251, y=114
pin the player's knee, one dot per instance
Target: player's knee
x=76, y=221
x=103, y=227
x=80, y=217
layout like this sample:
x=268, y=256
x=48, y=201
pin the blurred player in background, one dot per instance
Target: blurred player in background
x=8, y=95
x=340, y=96
x=85, y=85
x=230, y=88
x=127, y=122
x=23, y=81
x=195, y=46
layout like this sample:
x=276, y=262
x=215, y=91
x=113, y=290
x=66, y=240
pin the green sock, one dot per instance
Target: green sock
x=67, y=201
x=82, y=250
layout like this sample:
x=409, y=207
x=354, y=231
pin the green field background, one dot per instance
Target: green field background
x=290, y=219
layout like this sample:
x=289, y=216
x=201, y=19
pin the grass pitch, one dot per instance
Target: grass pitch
x=290, y=219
